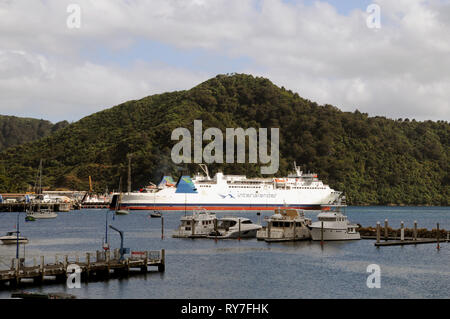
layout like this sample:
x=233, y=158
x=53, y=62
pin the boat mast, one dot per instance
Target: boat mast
x=17, y=247
x=40, y=184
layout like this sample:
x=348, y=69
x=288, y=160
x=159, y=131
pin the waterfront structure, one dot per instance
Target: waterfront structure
x=286, y=225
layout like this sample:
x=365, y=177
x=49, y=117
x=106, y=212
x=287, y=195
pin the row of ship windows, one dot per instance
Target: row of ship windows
x=204, y=222
x=258, y=187
x=285, y=224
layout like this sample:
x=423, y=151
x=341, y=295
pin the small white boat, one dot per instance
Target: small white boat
x=235, y=227
x=11, y=238
x=156, y=214
x=333, y=225
x=122, y=212
x=285, y=225
x=199, y=224
x=43, y=214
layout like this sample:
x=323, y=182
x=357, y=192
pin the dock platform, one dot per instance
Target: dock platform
x=23, y=207
x=396, y=241
x=103, y=267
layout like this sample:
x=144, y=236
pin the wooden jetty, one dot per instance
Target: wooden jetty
x=399, y=237
x=103, y=267
x=22, y=207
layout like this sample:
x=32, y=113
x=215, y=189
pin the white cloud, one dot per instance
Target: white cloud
x=400, y=70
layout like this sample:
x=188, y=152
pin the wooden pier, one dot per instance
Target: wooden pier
x=103, y=267
x=391, y=237
x=22, y=207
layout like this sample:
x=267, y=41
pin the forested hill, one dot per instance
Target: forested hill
x=374, y=160
x=16, y=130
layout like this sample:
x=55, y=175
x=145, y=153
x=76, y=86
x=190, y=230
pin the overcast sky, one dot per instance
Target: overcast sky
x=129, y=49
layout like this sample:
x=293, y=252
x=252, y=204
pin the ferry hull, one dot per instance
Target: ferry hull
x=223, y=208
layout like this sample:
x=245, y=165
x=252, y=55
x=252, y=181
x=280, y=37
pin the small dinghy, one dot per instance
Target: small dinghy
x=156, y=214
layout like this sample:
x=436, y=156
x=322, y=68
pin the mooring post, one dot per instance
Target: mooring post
x=145, y=267
x=415, y=230
x=321, y=233
x=402, y=231
x=239, y=234
x=17, y=266
x=438, y=233
x=386, y=231
x=88, y=264
x=215, y=230
x=17, y=270
x=269, y=229
x=162, y=262
x=42, y=267
x=295, y=235
x=378, y=232
x=162, y=227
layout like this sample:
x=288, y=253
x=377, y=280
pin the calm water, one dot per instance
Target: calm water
x=204, y=268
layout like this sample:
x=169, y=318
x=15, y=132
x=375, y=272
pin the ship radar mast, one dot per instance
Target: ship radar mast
x=205, y=170
x=297, y=170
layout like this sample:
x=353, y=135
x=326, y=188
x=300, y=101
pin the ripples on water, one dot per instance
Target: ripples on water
x=203, y=268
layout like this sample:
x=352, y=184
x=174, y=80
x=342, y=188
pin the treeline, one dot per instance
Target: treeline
x=16, y=130
x=374, y=160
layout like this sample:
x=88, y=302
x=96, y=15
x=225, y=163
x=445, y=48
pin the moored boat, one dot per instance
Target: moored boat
x=11, y=238
x=333, y=225
x=122, y=212
x=200, y=224
x=42, y=214
x=285, y=225
x=156, y=214
x=235, y=227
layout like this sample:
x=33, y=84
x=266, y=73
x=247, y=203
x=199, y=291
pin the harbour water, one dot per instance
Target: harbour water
x=204, y=268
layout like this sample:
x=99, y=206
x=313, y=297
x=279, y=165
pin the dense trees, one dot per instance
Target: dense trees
x=16, y=130
x=373, y=159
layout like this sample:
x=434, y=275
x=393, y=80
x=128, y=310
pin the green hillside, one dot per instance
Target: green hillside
x=16, y=130
x=374, y=160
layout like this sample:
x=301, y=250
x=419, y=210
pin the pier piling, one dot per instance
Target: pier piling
x=415, y=230
x=402, y=231
x=321, y=233
x=438, y=233
x=386, y=230
x=378, y=231
x=89, y=268
x=239, y=234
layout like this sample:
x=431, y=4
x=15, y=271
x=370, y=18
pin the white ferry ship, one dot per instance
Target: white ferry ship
x=231, y=193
